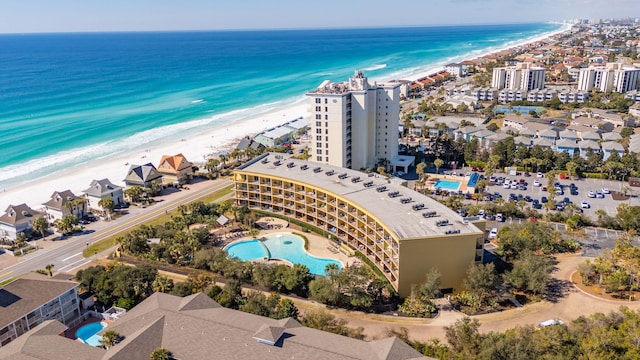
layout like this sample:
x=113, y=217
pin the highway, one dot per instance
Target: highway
x=66, y=255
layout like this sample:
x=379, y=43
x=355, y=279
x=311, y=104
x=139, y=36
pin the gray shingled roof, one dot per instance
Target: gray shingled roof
x=142, y=173
x=99, y=188
x=16, y=214
x=20, y=297
x=59, y=198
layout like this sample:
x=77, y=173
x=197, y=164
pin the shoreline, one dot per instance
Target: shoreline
x=197, y=148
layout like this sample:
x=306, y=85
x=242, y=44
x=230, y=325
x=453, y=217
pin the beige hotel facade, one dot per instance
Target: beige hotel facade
x=403, y=233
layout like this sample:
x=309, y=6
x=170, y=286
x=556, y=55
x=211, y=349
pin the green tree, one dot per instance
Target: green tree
x=492, y=127
x=325, y=321
x=40, y=224
x=531, y=273
x=438, y=163
x=107, y=206
x=49, y=268
x=161, y=354
x=110, y=338
x=482, y=282
x=464, y=338
x=134, y=193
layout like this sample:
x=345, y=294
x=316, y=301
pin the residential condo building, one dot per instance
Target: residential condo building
x=404, y=233
x=522, y=76
x=612, y=77
x=354, y=124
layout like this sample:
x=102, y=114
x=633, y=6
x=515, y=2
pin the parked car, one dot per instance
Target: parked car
x=599, y=194
x=528, y=198
x=540, y=175
x=551, y=322
x=591, y=194
x=500, y=218
x=574, y=191
x=585, y=205
x=492, y=179
x=537, y=183
x=605, y=191
x=536, y=206
x=559, y=192
x=493, y=233
x=544, y=199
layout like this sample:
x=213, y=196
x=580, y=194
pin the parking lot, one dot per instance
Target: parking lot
x=583, y=187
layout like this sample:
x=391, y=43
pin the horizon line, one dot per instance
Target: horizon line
x=281, y=29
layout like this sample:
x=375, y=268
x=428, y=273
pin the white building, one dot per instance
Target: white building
x=100, y=189
x=522, y=76
x=612, y=77
x=354, y=124
x=454, y=69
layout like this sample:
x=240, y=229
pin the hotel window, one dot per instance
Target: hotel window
x=319, y=145
x=326, y=101
x=326, y=123
x=318, y=123
x=326, y=131
x=318, y=116
x=319, y=138
x=326, y=159
x=318, y=108
x=319, y=158
x=326, y=138
x=318, y=131
x=319, y=151
x=326, y=152
x=318, y=100
x=326, y=117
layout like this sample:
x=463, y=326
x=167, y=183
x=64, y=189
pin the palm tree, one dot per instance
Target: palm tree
x=162, y=284
x=107, y=205
x=438, y=163
x=110, y=338
x=40, y=225
x=161, y=354
x=49, y=269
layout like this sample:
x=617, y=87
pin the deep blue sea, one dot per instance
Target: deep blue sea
x=66, y=99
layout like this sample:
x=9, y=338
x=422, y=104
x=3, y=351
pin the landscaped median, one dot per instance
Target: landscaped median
x=104, y=244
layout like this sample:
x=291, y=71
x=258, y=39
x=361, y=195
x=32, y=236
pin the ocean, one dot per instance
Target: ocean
x=73, y=98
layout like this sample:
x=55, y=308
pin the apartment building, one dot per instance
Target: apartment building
x=612, y=77
x=354, y=124
x=403, y=233
x=33, y=299
x=522, y=76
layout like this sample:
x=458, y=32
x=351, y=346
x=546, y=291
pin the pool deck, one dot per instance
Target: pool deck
x=318, y=246
x=71, y=332
x=463, y=180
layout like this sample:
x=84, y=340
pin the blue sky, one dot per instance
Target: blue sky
x=19, y=16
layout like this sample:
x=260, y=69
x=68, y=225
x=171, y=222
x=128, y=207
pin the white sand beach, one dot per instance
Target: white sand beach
x=195, y=148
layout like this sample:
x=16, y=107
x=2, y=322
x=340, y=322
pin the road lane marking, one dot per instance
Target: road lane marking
x=72, y=256
x=73, y=263
x=83, y=264
x=5, y=274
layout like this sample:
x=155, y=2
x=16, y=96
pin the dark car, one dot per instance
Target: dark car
x=528, y=198
x=544, y=199
x=537, y=206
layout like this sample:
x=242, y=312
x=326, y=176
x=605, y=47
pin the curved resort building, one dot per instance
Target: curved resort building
x=404, y=233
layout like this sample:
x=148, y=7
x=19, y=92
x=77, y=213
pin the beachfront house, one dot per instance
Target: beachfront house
x=100, y=189
x=146, y=176
x=64, y=203
x=33, y=299
x=176, y=170
x=17, y=219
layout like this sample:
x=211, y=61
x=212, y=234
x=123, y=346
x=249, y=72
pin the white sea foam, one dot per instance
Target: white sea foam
x=197, y=101
x=376, y=67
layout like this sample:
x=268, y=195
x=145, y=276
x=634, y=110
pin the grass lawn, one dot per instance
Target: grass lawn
x=109, y=242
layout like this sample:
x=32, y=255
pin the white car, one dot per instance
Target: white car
x=494, y=233
x=585, y=205
x=540, y=175
x=514, y=186
x=605, y=191
x=506, y=185
x=591, y=194
x=551, y=322
x=537, y=183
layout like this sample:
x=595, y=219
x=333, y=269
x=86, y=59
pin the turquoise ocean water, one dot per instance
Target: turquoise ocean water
x=69, y=99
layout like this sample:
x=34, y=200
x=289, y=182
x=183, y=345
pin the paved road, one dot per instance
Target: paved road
x=66, y=254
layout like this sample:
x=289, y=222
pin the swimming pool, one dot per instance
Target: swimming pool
x=446, y=184
x=88, y=333
x=283, y=246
